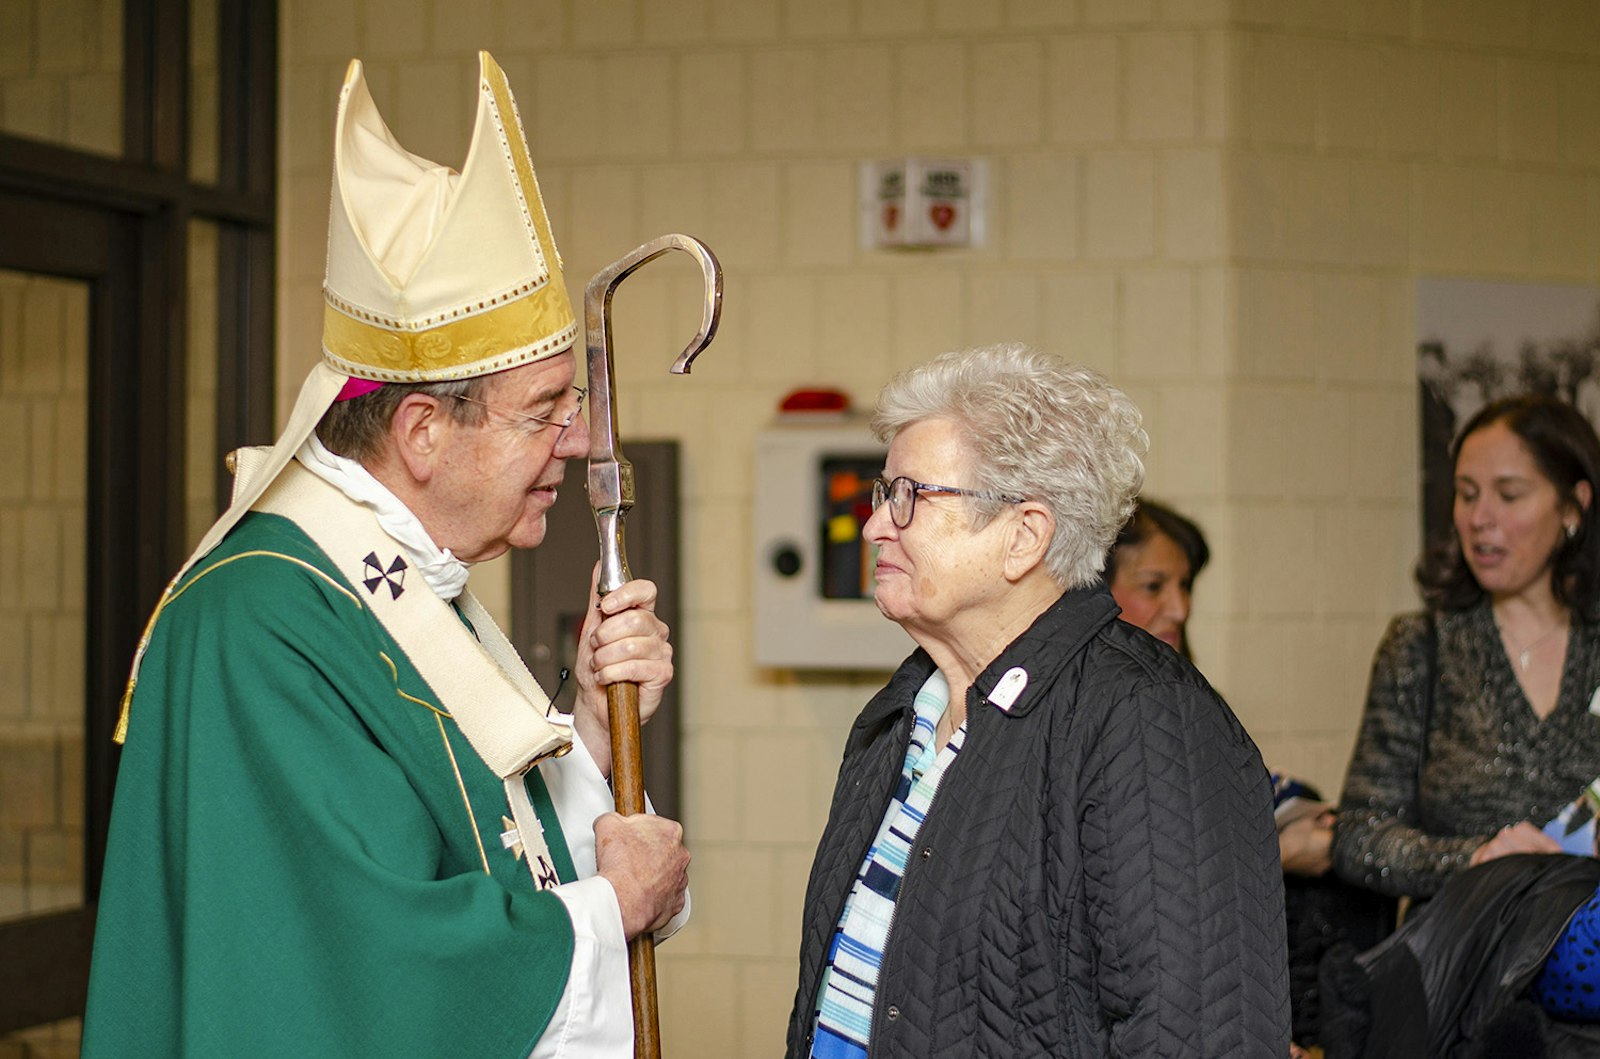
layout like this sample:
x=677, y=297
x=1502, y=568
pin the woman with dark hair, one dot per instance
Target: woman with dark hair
x=1151, y=570
x=1482, y=717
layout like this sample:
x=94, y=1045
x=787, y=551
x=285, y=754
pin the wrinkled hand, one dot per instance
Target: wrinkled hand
x=1306, y=845
x=643, y=858
x=622, y=641
x=1520, y=837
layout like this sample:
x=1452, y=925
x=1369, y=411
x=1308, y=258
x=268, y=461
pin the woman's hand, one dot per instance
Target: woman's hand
x=622, y=642
x=1520, y=837
x=1305, y=846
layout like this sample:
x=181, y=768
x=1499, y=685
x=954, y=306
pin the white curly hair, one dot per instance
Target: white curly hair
x=1033, y=426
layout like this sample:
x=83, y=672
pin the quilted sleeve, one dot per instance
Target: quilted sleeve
x=1183, y=891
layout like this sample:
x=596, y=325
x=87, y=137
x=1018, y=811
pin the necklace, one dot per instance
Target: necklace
x=1527, y=648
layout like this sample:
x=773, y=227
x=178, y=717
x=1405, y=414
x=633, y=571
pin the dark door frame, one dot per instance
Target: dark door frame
x=122, y=225
x=550, y=588
x=45, y=974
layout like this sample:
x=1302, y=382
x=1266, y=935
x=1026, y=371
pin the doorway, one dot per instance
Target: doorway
x=137, y=188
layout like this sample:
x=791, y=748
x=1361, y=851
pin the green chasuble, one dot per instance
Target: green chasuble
x=305, y=853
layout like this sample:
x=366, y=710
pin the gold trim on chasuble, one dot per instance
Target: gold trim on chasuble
x=120, y=734
x=461, y=785
x=439, y=717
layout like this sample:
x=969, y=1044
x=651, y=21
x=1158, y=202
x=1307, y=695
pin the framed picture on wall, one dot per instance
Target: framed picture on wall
x=1478, y=340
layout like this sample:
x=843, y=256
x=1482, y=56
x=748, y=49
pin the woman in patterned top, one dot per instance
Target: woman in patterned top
x=1483, y=714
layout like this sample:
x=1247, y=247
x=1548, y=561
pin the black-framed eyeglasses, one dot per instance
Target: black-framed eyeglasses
x=902, y=496
x=563, y=424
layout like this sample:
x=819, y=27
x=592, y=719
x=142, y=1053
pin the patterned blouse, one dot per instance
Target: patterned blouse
x=1490, y=760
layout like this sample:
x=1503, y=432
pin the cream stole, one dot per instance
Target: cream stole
x=480, y=680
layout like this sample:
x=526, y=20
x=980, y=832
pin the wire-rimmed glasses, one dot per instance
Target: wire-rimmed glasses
x=563, y=424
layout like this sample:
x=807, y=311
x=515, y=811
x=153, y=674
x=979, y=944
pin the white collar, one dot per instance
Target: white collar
x=443, y=572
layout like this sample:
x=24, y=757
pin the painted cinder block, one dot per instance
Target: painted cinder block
x=1007, y=94
x=636, y=106
x=931, y=96
x=1119, y=206
x=1082, y=79
x=1162, y=105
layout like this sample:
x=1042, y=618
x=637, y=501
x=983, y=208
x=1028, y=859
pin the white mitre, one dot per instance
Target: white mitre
x=432, y=275
x=436, y=275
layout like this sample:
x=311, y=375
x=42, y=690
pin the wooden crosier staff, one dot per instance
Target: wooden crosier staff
x=611, y=495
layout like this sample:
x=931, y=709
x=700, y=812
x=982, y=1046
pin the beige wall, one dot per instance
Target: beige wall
x=61, y=72
x=1370, y=144
x=1220, y=203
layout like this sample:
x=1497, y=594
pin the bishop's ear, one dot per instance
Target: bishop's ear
x=417, y=434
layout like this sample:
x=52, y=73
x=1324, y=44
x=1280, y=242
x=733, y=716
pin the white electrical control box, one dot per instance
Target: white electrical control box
x=813, y=577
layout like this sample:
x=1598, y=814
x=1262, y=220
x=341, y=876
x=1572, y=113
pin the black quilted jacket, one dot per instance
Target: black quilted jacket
x=1097, y=876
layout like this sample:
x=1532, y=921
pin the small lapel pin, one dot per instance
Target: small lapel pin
x=1008, y=687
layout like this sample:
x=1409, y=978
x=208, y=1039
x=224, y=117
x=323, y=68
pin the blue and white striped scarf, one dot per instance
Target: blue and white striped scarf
x=850, y=981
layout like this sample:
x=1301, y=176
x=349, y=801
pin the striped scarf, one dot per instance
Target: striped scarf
x=850, y=981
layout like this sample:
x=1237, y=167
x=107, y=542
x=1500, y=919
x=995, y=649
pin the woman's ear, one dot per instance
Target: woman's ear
x=1583, y=493
x=1033, y=527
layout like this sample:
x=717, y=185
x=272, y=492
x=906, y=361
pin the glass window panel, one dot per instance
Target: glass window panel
x=57, y=1040
x=204, y=135
x=203, y=459
x=61, y=72
x=43, y=428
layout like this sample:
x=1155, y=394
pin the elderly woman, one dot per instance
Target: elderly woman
x=1049, y=837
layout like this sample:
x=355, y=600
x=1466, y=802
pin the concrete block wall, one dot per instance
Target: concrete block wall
x=1220, y=203
x=1372, y=143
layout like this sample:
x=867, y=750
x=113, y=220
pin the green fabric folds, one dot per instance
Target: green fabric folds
x=293, y=868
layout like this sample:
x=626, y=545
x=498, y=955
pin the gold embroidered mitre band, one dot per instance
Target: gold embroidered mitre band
x=432, y=274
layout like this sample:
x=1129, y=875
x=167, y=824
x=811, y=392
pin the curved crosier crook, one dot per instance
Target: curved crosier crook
x=610, y=474
x=611, y=496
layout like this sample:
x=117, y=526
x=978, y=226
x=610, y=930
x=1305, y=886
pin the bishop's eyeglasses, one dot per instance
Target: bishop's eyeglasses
x=563, y=424
x=902, y=496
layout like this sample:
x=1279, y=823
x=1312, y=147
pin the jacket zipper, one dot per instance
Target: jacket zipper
x=838, y=913
x=905, y=880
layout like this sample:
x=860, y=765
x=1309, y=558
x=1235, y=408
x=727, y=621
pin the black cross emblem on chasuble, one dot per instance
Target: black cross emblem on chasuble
x=373, y=575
